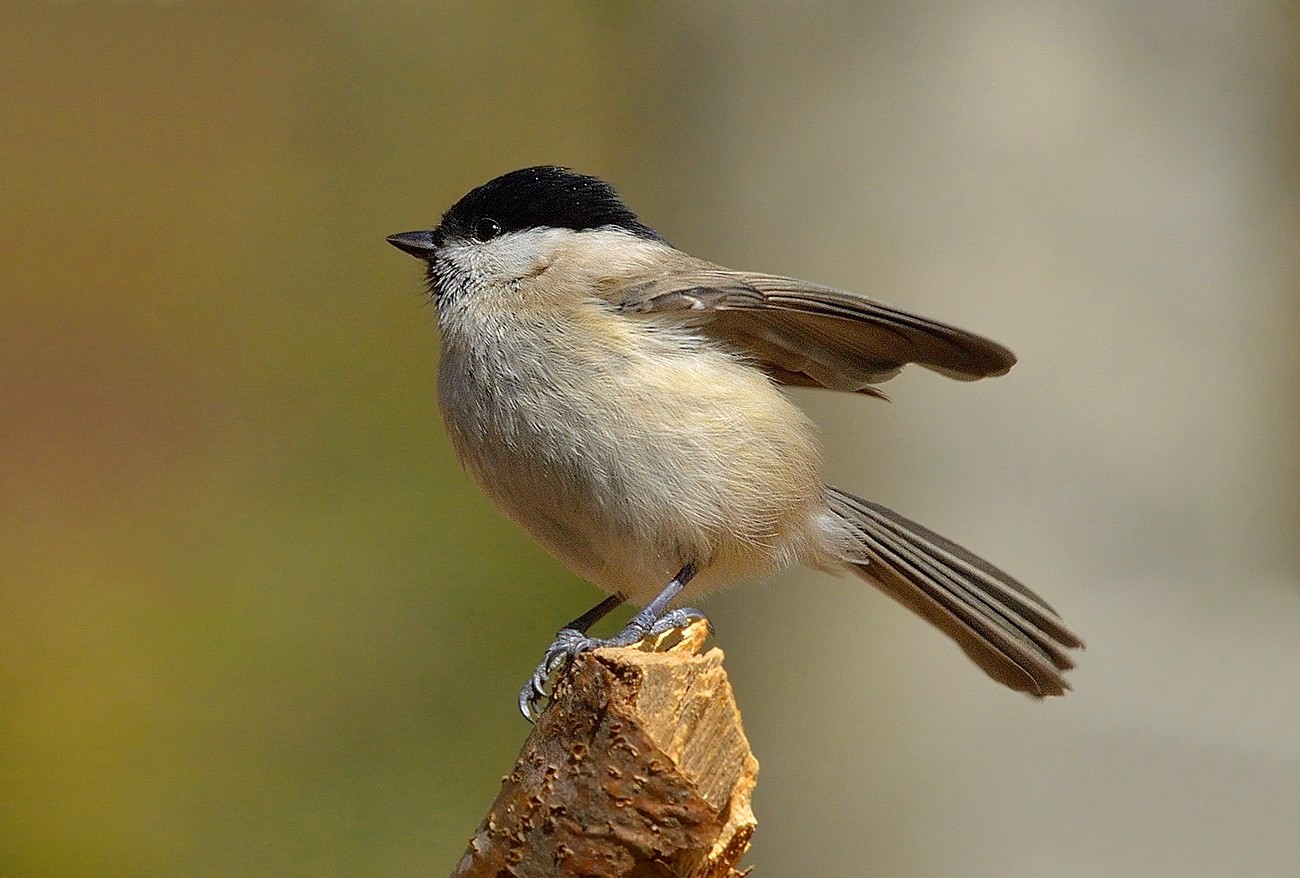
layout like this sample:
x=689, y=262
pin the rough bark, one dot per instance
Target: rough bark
x=639, y=767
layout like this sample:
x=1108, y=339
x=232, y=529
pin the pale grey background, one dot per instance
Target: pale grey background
x=1109, y=189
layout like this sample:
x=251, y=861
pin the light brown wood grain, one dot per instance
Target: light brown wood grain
x=640, y=767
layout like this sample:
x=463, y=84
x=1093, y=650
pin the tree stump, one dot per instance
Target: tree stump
x=639, y=767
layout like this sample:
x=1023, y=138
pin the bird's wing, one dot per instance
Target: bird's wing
x=808, y=335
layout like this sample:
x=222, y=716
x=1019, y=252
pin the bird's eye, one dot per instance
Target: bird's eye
x=486, y=229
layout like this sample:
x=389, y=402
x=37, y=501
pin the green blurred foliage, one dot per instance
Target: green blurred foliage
x=253, y=617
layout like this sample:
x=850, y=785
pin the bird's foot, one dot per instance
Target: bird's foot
x=570, y=643
x=679, y=618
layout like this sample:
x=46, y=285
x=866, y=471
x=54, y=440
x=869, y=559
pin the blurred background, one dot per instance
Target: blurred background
x=254, y=620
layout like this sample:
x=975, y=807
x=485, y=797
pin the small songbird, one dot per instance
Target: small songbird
x=621, y=400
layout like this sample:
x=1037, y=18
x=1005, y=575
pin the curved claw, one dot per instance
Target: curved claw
x=567, y=646
x=530, y=697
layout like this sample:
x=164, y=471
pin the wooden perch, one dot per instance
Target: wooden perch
x=639, y=767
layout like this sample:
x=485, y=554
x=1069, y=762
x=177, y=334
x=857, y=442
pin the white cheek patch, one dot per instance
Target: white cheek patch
x=581, y=258
x=512, y=256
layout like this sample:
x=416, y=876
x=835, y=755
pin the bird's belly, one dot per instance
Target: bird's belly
x=665, y=462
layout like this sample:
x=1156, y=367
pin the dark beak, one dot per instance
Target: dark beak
x=419, y=244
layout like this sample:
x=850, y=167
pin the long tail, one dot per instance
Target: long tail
x=1006, y=629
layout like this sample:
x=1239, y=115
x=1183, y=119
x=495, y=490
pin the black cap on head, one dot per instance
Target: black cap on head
x=544, y=197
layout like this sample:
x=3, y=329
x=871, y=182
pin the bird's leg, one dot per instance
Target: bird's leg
x=572, y=640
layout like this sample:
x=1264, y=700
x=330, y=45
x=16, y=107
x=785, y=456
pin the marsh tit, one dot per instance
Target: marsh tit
x=622, y=401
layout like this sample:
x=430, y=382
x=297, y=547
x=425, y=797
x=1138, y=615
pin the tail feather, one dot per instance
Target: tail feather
x=1006, y=629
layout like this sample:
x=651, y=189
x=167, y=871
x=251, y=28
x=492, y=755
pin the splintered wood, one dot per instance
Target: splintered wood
x=640, y=768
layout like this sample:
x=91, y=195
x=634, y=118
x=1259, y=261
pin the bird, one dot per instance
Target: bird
x=624, y=402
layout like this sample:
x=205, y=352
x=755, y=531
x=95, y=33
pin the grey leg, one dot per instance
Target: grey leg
x=572, y=639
